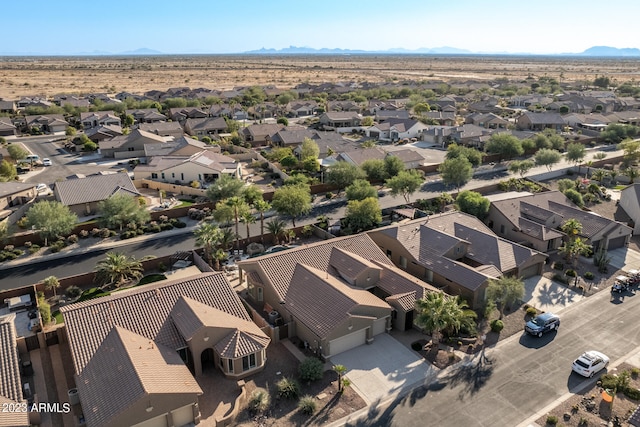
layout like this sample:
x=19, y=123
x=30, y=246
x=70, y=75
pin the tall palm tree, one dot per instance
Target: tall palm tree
x=117, y=269
x=599, y=175
x=239, y=207
x=572, y=228
x=433, y=315
x=51, y=283
x=632, y=173
x=340, y=370
x=262, y=206
x=276, y=227
x=248, y=219
x=588, y=165
x=227, y=236
x=208, y=235
x=572, y=250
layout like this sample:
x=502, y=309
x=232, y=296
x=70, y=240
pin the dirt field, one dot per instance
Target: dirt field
x=23, y=76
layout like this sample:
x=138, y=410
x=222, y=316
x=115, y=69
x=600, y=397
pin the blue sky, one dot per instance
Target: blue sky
x=229, y=26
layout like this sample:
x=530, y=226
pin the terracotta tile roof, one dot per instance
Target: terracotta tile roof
x=125, y=368
x=407, y=300
x=144, y=310
x=10, y=383
x=94, y=188
x=278, y=268
x=190, y=316
x=322, y=302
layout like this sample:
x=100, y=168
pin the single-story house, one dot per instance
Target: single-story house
x=146, y=115
x=540, y=121
x=14, y=193
x=410, y=158
x=183, y=146
x=180, y=114
x=203, y=167
x=7, y=128
x=149, y=345
x=205, y=126
x=99, y=118
x=396, y=129
x=51, y=123
x=101, y=133
x=301, y=108
x=131, y=145
x=359, y=156
x=290, y=136
x=260, y=134
x=535, y=219
x=487, y=120
x=82, y=195
x=457, y=253
x=334, y=295
x=341, y=121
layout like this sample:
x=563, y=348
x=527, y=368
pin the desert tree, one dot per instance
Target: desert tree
x=456, y=172
x=505, y=291
x=293, y=201
x=121, y=209
x=405, y=183
x=51, y=219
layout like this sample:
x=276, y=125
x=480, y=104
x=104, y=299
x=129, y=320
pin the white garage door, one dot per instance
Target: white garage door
x=160, y=421
x=183, y=416
x=348, y=342
x=380, y=326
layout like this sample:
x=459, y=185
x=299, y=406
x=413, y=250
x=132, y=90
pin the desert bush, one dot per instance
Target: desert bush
x=552, y=420
x=95, y=232
x=497, y=325
x=105, y=232
x=310, y=369
x=27, y=244
x=588, y=275
x=163, y=218
x=33, y=249
x=560, y=278
x=180, y=224
x=73, y=238
x=45, y=311
x=531, y=311
x=632, y=393
x=558, y=266
x=84, y=233
x=635, y=372
x=570, y=273
x=287, y=388
x=259, y=401
x=307, y=404
x=9, y=248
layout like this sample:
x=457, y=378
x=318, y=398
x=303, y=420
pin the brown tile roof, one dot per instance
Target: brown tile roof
x=322, y=302
x=125, y=368
x=10, y=383
x=136, y=135
x=408, y=155
x=538, y=231
x=279, y=268
x=407, y=300
x=394, y=281
x=349, y=265
x=243, y=337
x=94, y=188
x=144, y=310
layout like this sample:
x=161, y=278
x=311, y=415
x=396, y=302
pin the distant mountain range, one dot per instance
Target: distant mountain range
x=445, y=50
x=595, y=51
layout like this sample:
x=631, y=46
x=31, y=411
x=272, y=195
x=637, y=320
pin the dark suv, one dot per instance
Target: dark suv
x=542, y=323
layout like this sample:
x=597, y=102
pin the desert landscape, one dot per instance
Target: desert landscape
x=22, y=76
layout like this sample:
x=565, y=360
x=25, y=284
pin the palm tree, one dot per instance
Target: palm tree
x=276, y=228
x=572, y=228
x=340, y=370
x=613, y=174
x=219, y=255
x=262, y=206
x=117, y=269
x=572, y=250
x=239, y=207
x=208, y=235
x=431, y=314
x=248, y=219
x=227, y=236
x=589, y=165
x=598, y=175
x=51, y=283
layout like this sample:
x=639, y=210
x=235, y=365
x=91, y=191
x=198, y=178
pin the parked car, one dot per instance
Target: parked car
x=43, y=189
x=542, y=323
x=46, y=162
x=589, y=363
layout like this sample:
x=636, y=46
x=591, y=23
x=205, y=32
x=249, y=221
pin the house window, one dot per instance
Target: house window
x=154, y=175
x=502, y=229
x=162, y=175
x=389, y=253
x=248, y=362
x=230, y=365
x=182, y=176
x=260, y=296
x=130, y=149
x=173, y=175
x=403, y=263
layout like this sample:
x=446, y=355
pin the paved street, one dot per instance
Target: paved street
x=525, y=375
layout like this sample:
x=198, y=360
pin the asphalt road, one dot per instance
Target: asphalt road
x=79, y=264
x=525, y=374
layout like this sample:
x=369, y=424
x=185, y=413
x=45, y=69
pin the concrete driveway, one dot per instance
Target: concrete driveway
x=382, y=368
x=547, y=295
x=624, y=258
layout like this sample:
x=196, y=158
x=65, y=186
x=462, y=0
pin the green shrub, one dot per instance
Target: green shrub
x=560, y=278
x=33, y=249
x=45, y=311
x=180, y=224
x=127, y=235
x=531, y=311
x=72, y=239
x=632, y=393
x=558, y=266
x=153, y=228
x=635, y=372
x=552, y=420
x=588, y=275
x=259, y=401
x=497, y=325
x=307, y=404
x=570, y=273
x=287, y=388
x=311, y=369
x=104, y=233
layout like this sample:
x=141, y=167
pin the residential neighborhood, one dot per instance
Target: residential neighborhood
x=206, y=256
